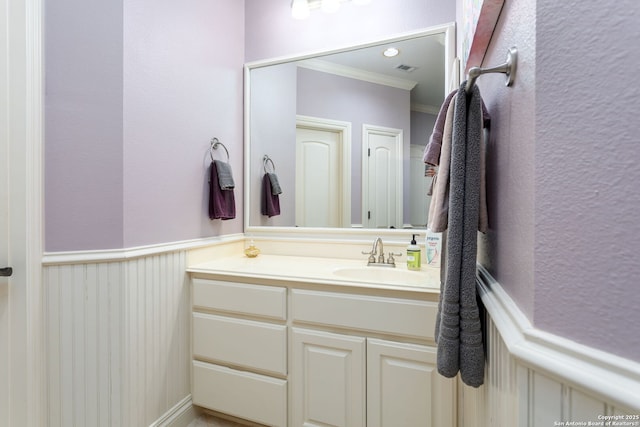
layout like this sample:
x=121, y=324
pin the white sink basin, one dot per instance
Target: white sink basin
x=385, y=275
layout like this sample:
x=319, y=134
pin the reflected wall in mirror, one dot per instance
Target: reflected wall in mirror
x=346, y=130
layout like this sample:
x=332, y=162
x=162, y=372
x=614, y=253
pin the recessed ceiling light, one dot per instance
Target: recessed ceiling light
x=390, y=52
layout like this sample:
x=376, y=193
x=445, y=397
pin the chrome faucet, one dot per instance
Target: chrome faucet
x=377, y=244
x=378, y=247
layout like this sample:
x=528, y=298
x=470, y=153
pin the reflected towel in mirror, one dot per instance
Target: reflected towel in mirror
x=270, y=202
x=275, y=184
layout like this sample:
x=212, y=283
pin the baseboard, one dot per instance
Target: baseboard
x=180, y=415
x=613, y=378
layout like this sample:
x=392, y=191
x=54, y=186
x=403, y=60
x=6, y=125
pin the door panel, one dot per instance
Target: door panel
x=21, y=97
x=382, y=183
x=404, y=388
x=318, y=178
x=328, y=379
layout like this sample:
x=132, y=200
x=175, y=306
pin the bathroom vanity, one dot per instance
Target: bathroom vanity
x=291, y=341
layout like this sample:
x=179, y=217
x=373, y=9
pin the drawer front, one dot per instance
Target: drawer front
x=394, y=316
x=240, y=342
x=242, y=394
x=254, y=300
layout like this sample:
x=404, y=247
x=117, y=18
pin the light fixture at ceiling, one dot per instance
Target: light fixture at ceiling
x=330, y=6
x=300, y=9
x=390, y=52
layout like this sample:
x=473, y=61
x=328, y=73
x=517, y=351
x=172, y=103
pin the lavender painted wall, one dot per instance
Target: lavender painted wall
x=273, y=132
x=563, y=170
x=334, y=97
x=83, y=125
x=271, y=32
x=508, y=248
x=182, y=87
x=421, y=127
x=587, y=173
x=134, y=93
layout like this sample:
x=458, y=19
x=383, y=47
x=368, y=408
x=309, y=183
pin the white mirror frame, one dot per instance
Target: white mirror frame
x=320, y=233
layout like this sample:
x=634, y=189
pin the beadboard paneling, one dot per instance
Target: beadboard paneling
x=118, y=348
x=533, y=391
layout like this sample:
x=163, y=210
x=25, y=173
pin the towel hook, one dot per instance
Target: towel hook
x=215, y=142
x=266, y=159
x=508, y=68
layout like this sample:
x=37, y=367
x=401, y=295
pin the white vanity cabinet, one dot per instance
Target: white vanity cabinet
x=240, y=350
x=328, y=379
x=404, y=388
x=356, y=379
x=302, y=354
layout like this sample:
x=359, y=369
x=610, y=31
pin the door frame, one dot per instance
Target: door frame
x=344, y=129
x=23, y=103
x=368, y=129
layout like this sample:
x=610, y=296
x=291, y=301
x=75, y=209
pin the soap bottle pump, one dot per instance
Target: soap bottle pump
x=413, y=255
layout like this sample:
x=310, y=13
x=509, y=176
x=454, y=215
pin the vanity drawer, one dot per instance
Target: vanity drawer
x=240, y=342
x=240, y=298
x=394, y=316
x=242, y=394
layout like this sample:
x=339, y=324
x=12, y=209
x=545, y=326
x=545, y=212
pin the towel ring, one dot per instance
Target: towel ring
x=215, y=143
x=266, y=159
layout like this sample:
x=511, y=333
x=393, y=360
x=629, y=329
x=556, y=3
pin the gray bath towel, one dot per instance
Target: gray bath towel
x=225, y=176
x=275, y=184
x=458, y=329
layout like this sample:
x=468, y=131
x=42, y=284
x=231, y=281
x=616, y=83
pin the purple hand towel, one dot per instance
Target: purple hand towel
x=222, y=203
x=270, y=203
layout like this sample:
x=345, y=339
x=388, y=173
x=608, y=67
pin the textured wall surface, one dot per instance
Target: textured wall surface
x=587, y=173
x=507, y=250
x=563, y=169
x=271, y=32
x=83, y=125
x=182, y=87
x=135, y=92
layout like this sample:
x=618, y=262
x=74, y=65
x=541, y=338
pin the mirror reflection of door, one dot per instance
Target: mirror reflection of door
x=418, y=193
x=382, y=177
x=322, y=189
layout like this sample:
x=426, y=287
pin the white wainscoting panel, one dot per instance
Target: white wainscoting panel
x=531, y=377
x=118, y=346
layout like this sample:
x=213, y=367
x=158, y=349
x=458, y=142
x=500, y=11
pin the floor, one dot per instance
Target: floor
x=206, y=420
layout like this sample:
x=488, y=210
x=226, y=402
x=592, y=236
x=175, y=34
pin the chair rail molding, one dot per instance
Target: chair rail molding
x=587, y=382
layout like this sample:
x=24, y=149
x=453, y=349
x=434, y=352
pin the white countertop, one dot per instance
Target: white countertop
x=328, y=271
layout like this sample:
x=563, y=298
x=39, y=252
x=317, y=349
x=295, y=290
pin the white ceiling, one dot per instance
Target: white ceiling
x=425, y=53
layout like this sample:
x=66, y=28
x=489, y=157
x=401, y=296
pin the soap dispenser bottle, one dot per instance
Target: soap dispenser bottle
x=413, y=255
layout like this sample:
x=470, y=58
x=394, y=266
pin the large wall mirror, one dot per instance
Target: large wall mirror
x=344, y=132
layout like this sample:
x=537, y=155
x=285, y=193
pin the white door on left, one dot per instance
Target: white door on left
x=21, y=94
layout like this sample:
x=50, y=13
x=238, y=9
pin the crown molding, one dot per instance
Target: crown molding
x=356, y=73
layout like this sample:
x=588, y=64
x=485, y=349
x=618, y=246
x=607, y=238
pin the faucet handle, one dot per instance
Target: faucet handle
x=372, y=258
x=391, y=259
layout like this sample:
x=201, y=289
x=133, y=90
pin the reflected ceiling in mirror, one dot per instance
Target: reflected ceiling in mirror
x=345, y=131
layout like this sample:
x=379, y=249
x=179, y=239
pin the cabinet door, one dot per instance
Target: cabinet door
x=327, y=379
x=404, y=388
